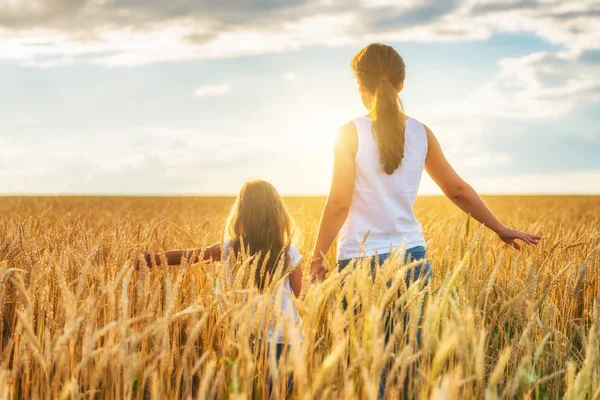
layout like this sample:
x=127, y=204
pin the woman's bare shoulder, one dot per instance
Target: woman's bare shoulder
x=347, y=136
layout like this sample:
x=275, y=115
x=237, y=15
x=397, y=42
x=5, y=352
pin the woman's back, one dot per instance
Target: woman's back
x=382, y=204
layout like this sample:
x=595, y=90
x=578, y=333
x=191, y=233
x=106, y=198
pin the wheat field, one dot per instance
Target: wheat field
x=79, y=321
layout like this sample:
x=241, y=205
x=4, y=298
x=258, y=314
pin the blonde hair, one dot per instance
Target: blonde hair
x=381, y=71
x=260, y=226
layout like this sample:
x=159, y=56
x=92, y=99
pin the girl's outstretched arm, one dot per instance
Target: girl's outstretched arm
x=465, y=197
x=174, y=257
x=296, y=280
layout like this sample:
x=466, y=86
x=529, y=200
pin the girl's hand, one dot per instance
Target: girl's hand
x=509, y=236
x=147, y=261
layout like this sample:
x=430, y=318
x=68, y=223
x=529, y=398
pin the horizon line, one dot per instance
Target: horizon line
x=234, y=194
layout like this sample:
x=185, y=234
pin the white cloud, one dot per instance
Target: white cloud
x=213, y=90
x=572, y=182
x=52, y=63
x=151, y=160
x=537, y=86
x=173, y=41
x=289, y=76
x=158, y=160
x=130, y=32
x=484, y=158
x=573, y=24
x=543, y=85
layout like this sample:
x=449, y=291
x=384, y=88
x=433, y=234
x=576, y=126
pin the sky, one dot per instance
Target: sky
x=198, y=96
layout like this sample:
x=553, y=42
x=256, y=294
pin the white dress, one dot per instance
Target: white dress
x=287, y=304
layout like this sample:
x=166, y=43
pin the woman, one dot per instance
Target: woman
x=378, y=163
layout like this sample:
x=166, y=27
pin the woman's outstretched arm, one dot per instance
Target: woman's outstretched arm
x=340, y=196
x=465, y=197
x=174, y=257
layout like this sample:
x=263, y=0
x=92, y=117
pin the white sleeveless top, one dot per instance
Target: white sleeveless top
x=287, y=304
x=382, y=204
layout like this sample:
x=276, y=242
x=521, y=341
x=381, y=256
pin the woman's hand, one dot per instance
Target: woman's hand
x=317, y=270
x=509, y=235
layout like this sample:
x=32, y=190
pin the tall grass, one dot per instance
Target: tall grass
x=79, y=322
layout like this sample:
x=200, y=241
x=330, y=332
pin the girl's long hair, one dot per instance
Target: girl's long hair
x=260, y=222
x=380, y=70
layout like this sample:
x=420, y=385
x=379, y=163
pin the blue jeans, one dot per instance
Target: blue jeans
x=412, y=254
x=421, y=270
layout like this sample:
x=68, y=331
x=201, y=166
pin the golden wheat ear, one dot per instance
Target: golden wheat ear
x=77, y=320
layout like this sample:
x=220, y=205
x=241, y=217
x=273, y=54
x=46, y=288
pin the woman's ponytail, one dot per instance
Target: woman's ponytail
x=380, y=70
x=388, y=125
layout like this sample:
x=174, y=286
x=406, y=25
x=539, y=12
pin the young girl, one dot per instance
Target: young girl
x=259, y=225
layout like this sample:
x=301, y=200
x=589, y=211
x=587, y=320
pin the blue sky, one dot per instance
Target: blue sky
x=182, y=97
